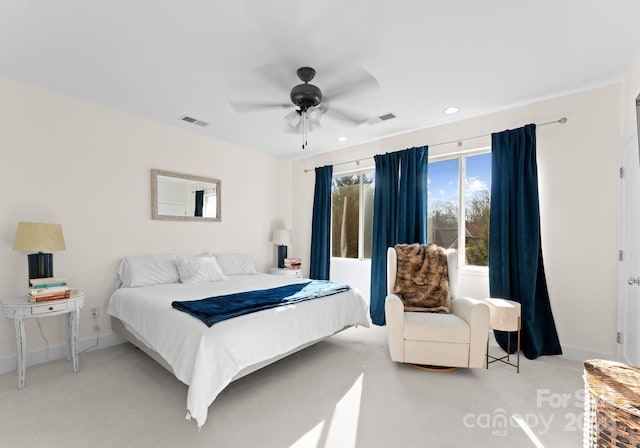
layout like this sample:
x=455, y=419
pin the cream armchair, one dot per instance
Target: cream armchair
x=458, y=339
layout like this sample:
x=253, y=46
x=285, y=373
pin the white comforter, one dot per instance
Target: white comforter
x=208, y=359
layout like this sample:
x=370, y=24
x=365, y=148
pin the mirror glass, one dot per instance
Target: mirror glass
x=184, y=197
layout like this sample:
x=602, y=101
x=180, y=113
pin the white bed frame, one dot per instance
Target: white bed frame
x=118, y=327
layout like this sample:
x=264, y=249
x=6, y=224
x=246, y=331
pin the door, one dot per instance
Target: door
x=629, y=260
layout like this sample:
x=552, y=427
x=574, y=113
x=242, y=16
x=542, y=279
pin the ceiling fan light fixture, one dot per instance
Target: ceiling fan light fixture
x=293, y=118
x=314, y=114
x=313, y=125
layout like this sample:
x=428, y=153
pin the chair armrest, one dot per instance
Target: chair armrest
x=394, y=315
x=476, y=314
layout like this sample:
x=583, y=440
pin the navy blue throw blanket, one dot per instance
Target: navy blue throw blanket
x=215, y=309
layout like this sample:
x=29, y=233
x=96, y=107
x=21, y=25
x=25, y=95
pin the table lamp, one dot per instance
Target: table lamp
x=43, y=238
x=281, y=237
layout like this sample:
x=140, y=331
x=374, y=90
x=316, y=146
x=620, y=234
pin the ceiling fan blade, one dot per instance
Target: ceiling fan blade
x=251, y=106
x=281, y=76
x=356, y=82
x=342, y=114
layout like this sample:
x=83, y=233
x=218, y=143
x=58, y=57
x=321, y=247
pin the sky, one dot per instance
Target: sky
x=443, y=178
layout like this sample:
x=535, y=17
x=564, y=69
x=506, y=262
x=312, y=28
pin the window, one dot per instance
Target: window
x=352, y=215
x=210, y=206
x=451, y=202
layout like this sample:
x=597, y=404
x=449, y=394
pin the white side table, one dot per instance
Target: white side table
x=295, y=273
x=20, y=308
x=504, y=315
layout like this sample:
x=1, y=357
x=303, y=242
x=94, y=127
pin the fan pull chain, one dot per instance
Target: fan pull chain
x=305, y=129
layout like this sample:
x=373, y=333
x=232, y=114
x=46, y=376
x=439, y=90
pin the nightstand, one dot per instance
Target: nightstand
x=295, y=273
x=19, y=309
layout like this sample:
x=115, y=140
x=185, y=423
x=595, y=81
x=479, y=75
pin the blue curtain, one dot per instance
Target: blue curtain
x=399, y=214
x=199, y=203
x=516, y=270
x=412, y=197
x=321, y=225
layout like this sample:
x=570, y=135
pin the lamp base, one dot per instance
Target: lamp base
x=282, y=254
x=40, y=265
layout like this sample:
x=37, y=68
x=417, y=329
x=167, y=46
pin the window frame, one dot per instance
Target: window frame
x=462, y=173
x=461, y=156
x=360, y=172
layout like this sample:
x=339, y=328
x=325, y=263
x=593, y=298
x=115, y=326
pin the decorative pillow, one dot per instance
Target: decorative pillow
x=147, y=270
x=422, y=278
x=199, y=269
x=235, y=264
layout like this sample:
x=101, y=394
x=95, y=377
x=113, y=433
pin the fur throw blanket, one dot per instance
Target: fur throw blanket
x=422, y=278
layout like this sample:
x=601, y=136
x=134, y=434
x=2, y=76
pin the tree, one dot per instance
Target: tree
x=443, y=224
x=344, y=216
x=444, y=227
x=477, y=226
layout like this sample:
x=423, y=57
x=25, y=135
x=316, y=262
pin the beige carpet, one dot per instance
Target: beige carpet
x=344, y=392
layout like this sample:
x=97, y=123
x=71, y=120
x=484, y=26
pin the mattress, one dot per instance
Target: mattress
x=208, y=359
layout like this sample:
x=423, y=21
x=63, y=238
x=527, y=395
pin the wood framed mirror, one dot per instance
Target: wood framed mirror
x=185, y=197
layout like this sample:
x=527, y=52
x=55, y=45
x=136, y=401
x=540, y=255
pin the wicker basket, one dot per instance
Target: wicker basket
x=611, y=404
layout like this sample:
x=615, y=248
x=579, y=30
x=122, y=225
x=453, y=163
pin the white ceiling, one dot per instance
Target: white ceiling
x=166, y=59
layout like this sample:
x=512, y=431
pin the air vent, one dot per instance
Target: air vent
x=381, y=118
x=195, y=121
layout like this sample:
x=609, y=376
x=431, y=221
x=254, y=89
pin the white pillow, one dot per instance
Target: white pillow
x=147, y=270
x=199, y=269
x=235, y=264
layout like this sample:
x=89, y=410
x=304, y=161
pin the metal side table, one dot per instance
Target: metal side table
x=504, y=315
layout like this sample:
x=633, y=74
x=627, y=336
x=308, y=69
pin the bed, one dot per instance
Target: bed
x=206, y=358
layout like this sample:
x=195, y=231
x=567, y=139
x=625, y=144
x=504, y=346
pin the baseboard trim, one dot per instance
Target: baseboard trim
x=569, y=352
x=582, y=354
x=59, y=351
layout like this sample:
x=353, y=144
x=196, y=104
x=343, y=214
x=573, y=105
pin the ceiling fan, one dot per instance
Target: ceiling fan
x=310, y=103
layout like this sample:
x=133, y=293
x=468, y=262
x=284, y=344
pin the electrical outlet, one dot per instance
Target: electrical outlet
x=95, y=312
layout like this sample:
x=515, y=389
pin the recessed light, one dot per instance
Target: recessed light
x=343, y=139
x=451, y=110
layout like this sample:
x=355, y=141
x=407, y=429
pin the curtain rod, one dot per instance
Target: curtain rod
x=562, y=120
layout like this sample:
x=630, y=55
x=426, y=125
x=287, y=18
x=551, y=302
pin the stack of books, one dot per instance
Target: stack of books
x=50, y=288
x=292, y=263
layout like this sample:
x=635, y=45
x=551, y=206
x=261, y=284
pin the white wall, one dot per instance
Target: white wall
x=578, y=181
x=630, y=91
x=87, y=167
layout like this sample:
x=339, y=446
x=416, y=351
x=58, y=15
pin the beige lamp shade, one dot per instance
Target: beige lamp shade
x=282, y=237
x=39, y=236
